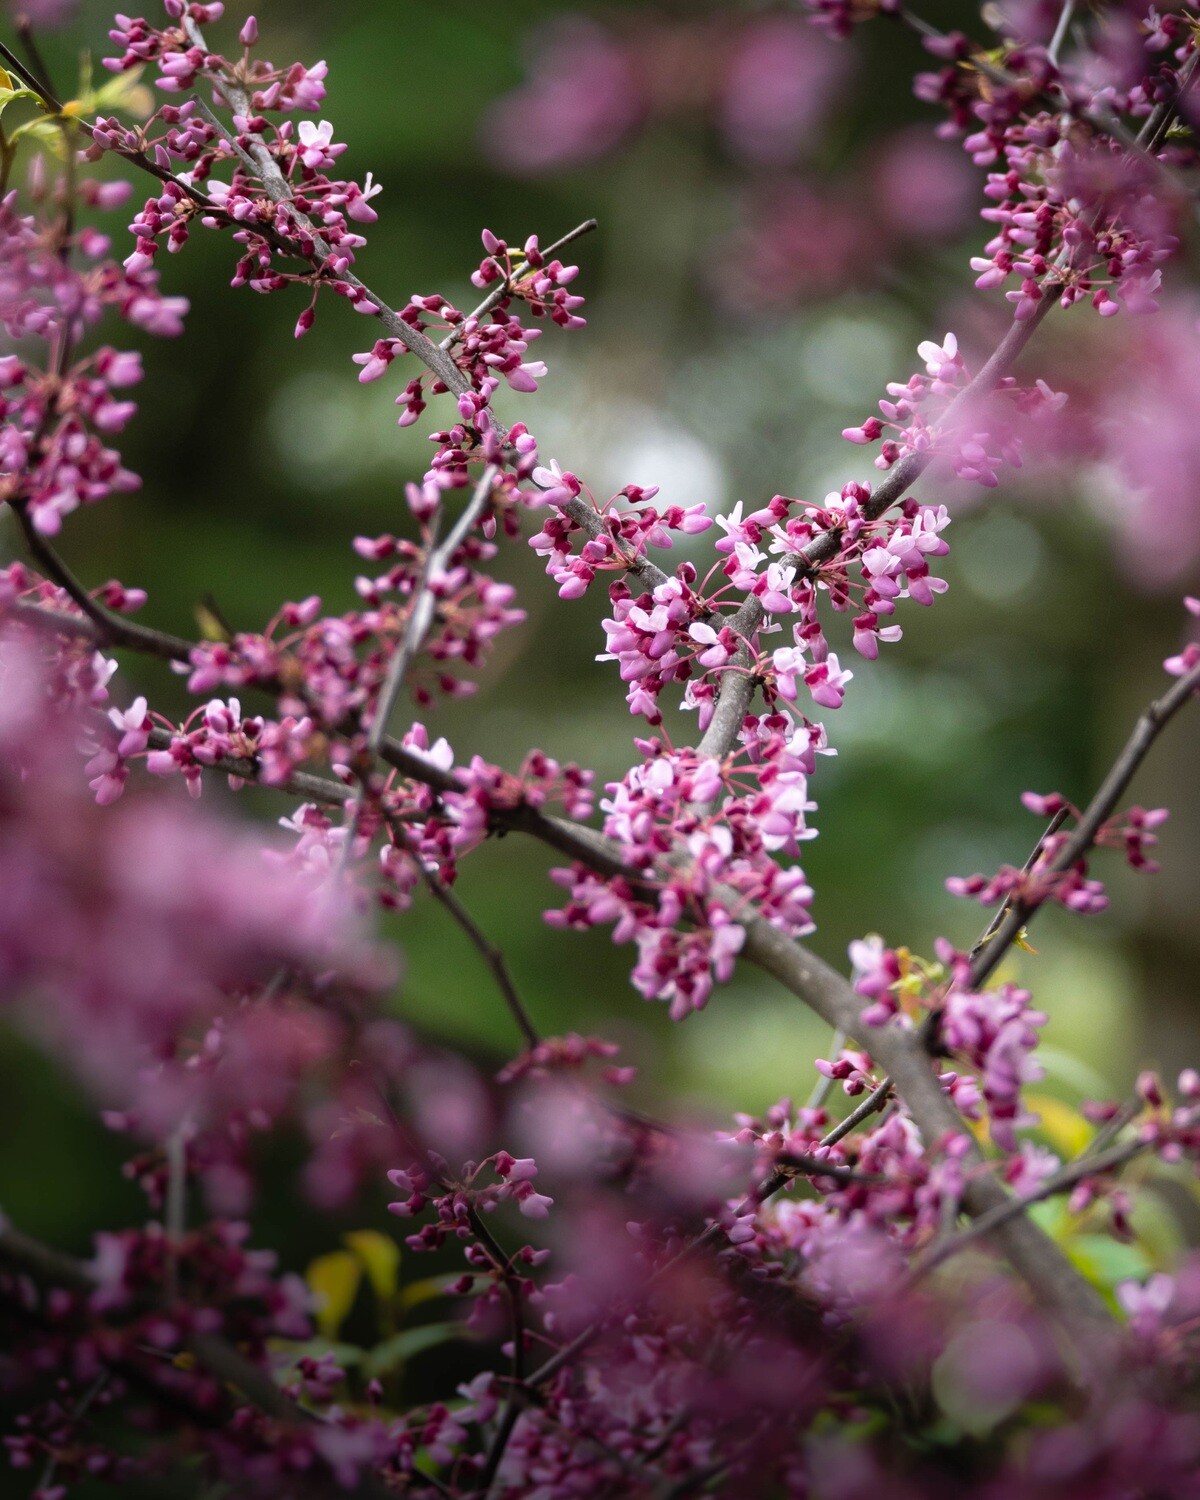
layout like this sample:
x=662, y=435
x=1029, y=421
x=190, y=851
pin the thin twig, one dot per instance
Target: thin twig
x=422, y=610
x=824, y=1083
x=421, y=615
x=77, y=1414
x=871, y=1105
x=111, y=629
x=1065, y=16
x=1153, y=720
x=33, y=51
x=319, y=789
x=424, y=607
x=985, y=937
x=515, y=1403
x=487, y=950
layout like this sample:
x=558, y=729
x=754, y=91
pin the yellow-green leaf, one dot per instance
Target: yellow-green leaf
x=122, y=92
x=333, y=1279
x=426, y=1289
x=1106, y=1262
x=10, y=93
x=380, y=1256
x=44, y=129
x=212, y=627
x=1065, y=1128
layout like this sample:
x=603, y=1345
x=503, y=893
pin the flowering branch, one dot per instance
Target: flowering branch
x=695, y=863
x=1087, y=1166
x=52, y=1270
x=903, y=1054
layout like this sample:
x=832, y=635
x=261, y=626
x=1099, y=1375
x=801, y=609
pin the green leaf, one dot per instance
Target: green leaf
x=44, y=129
x=1074, y=1072
x=1053, y=1215
x=333, y=1280
x=1106, y=1262
x=393, y=1352
x=10, y=92
x=1158, y=1230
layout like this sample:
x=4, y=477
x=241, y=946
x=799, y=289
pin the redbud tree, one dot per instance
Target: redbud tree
x=858, y=1294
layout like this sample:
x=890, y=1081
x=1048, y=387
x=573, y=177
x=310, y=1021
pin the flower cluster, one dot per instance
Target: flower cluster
x=267, y=181
x=1079, y=211
x=455, y=1207
x=681, y=812
x=490, y=344
x=1047, y=878
x=994, y=1033
x=924, y=414
x=57, y=410
x=617, y=536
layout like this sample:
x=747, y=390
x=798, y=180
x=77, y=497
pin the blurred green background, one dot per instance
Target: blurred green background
x=720, y=376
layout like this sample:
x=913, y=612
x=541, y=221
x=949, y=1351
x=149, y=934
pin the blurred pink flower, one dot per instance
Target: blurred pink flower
x=580, y=100
x=924, y=186
x=44, y=15
x=1148, y=429
x=766, y=82
x=782, y=79
x=795, y=242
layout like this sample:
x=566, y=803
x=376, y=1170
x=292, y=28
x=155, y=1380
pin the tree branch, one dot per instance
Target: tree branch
x=1052, y=1278
x=1087, y=1165
x=110, y=628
